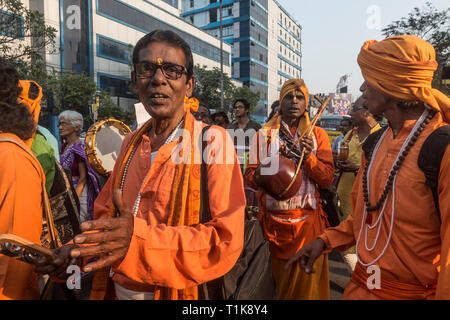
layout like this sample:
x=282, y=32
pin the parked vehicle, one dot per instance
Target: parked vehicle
x=330, y=123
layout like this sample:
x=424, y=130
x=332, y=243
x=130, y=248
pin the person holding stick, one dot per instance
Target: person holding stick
x=289, y=224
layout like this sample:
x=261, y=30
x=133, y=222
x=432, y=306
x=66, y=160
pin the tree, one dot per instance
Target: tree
x=207, y=89
x=431, y=25
x=71, y=91
x=78, y=92
x=24, y=36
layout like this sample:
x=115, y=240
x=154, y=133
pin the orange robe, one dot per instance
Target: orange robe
x=20, y=214
x=420, y=244
x=177, y=256
x=286, y=238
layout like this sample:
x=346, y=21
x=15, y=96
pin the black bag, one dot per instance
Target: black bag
x=330, y=205
x=251, y=277
x=429, y=159
x=65, y=205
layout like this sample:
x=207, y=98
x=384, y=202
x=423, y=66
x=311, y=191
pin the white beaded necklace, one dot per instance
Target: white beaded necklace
x=379, y=221
x=169, y=139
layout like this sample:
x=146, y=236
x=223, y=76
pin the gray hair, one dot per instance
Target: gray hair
x=75, y=119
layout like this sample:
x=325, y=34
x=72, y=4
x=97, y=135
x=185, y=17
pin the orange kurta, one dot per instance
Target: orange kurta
x=420, y=244
x=177, y=256
x=287, y=238
x=20, y=214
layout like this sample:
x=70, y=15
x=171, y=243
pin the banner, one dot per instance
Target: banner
x=75, y=38
x=339, y=103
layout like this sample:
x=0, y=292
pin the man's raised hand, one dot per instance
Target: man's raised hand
x=308, y=255
x=110, y=237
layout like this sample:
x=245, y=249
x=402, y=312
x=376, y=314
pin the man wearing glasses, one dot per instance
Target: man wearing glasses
x=146, y=233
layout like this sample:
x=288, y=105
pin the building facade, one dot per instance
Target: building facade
x=97, y=37
x=266, y=42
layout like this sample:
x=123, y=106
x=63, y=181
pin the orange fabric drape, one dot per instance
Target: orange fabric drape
x=402, y=67
x=34, y=105
x=391, y=289
x=184, y=208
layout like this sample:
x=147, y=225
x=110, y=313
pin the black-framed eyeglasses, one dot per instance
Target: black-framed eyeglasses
x=171, y=71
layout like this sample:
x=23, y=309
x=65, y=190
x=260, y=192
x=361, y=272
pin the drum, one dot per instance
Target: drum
x=103, y=142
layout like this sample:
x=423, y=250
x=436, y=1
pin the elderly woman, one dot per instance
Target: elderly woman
x=73, y=158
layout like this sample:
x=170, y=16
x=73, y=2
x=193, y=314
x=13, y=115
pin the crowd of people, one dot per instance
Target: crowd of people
x=142, y=233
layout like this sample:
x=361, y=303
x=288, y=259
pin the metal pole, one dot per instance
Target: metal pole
x=221, y=56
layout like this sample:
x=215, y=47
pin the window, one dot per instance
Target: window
x=191, y=3
x=135, y=18
x=110, y=49
x=192, y=19
x=11, y=25
x=261, y=57
x=213, y=15
x=120, y=86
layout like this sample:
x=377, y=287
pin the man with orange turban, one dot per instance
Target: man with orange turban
x=289, y=224
x=402, y=241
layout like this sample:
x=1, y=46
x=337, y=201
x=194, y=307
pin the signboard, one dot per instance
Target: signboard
x=340, y=103
x=75, y=35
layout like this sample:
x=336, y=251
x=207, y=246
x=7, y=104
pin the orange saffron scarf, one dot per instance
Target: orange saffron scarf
x=184, y=207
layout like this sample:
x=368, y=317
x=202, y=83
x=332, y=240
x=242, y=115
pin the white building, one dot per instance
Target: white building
x=285, y=48
x=97, y=37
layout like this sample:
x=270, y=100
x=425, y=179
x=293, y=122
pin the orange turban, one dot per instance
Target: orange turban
x=289, y=86
x=292, y=85
x=402, y=67
x=191, y=104
x=34, y=105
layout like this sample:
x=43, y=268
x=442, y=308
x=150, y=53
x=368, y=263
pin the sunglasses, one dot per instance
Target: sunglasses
x=171, y=71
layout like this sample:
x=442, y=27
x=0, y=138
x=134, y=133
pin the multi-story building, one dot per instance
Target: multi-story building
x=97, y=37
x=266, y=42
x=284, y=48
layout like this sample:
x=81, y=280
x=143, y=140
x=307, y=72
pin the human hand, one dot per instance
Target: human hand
x=347, y=166
x=59, y=266
x=307, y=145
x=111, y=236
x=308, y=255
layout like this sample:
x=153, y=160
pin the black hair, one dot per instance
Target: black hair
x=169, y=37
x=33, y=92
x=244, y=102
x=16, y=118
x=348, y=120
x=275, y=104
x=9, y=79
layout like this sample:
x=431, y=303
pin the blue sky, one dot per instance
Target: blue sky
x=334, y=31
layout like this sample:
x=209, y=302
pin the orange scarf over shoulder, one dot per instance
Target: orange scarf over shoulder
x=183, y=210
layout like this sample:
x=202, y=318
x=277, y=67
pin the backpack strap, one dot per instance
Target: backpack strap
x=430, y=159
x=371, y=141
x=205, y=214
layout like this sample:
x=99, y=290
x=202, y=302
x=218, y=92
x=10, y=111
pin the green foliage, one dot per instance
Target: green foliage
x=24, y=36
x=71, y=91
x=207, y=89
x=431, y=25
